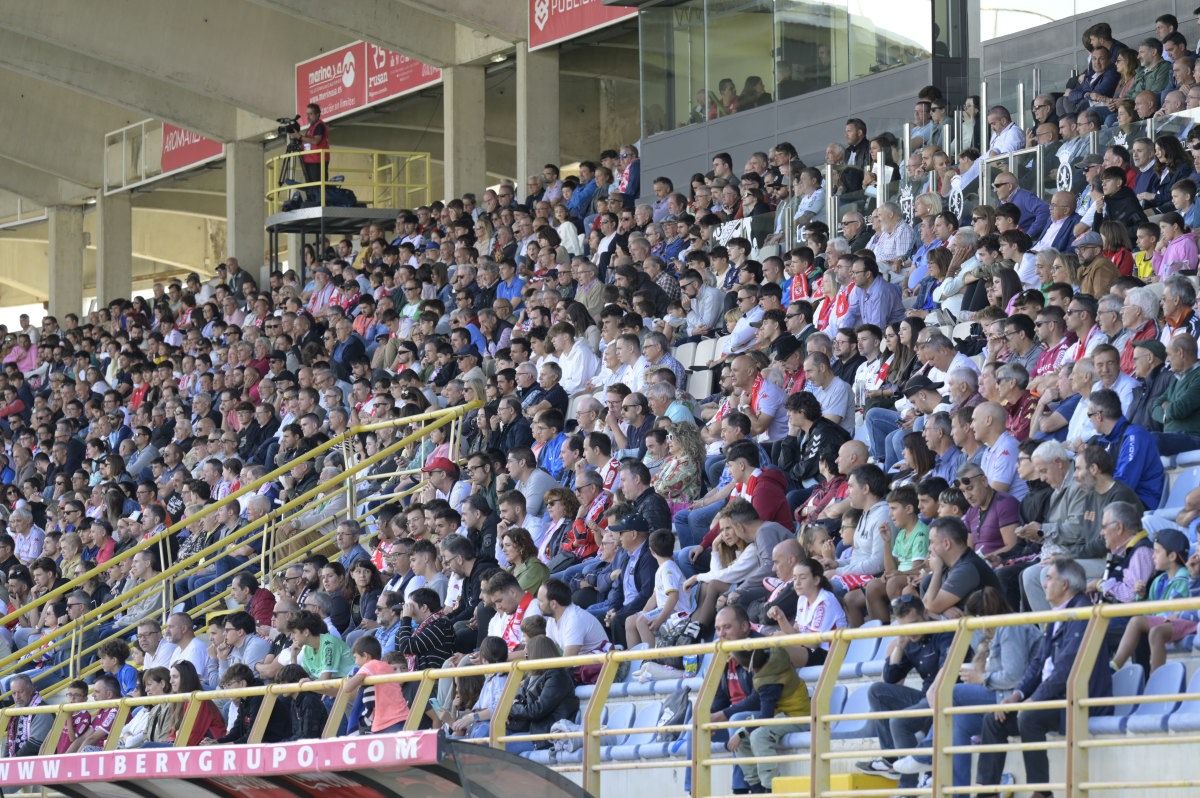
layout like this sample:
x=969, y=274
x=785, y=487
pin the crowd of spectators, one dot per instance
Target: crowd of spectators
x=846, y=457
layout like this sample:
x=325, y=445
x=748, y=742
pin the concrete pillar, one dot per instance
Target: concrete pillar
x=537, y=110
x=245, y=207
x=114, y=249
x=66, y=259
x=617, y=125
x=295, y=255
x=464, y=155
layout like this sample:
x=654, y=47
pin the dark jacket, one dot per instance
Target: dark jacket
x=721, y=701
x=1063, y=241
x=470, y=590
x=643, y=579
x=925, y=655
x=517, y=435
x=1148, y=393
x=544, y=698
x=308, y=714
x=798, y=456
x=1060, y=646
x=1123, y=207
x=279, y=727
x=654, y=509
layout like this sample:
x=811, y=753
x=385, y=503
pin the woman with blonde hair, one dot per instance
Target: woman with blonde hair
x=1066, y=270
x=678, y=481
x=926, y=206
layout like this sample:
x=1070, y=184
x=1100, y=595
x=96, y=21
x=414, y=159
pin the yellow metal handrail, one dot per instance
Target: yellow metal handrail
x=820, y=756
x=378, y=178
x=239, y=537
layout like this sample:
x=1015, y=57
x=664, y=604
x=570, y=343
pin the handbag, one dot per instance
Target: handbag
x=562, y=561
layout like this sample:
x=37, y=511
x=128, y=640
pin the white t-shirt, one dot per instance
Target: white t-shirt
x=195, y=652
x=577, y=627
x=498, y=626
x=668, y=579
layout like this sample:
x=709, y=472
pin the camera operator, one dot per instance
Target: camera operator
x=314, y=137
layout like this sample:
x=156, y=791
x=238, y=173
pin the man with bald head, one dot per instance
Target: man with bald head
x=851, y=455
x=1000, y=458
x=1061, y=230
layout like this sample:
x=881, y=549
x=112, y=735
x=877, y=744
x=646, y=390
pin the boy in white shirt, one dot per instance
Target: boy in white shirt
x=669, y=599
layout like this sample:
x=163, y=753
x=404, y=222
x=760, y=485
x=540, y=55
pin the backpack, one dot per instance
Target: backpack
x=674, y=712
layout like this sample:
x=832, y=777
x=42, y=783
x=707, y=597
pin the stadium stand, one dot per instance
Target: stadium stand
x=591, y=434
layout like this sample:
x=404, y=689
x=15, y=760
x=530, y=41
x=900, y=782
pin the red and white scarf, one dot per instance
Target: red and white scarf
x=512, y=634
x=745, y=490
x=756, y=391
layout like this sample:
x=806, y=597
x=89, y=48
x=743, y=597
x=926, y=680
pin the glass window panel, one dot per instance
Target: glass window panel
x=811, y=46
x=740, y=47
x=886, y=34
x=672, y=60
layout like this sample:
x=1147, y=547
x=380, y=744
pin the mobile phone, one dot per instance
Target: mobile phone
x=435, y=705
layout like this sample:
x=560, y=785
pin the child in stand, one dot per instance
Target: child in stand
x=904, y=558
x=669, y=598
x=1177, y=573
x=953, y=502
x=79, y=722
x=818, y=545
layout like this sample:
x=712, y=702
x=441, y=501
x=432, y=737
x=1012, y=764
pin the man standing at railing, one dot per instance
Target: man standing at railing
x=314, y=137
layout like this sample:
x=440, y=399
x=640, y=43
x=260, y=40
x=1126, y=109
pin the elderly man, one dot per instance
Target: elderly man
x=1129, y=565
x=1109, y=377
x=663, y=404
x=894, y=239
x=1012, y=383
x=1035, y=214
x=1132, y=448
x=1139, y=317
x=1178, y=410
x=1178, y=299
x=26, y=733
x=1060, y=230
x=1045, y=680
x=1072, y=526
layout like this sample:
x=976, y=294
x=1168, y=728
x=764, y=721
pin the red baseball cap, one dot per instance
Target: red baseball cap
x=440, y=464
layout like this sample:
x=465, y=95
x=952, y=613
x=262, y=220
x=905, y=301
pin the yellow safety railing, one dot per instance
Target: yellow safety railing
x=378, y=178
x=259, y=531
x=1077, y=742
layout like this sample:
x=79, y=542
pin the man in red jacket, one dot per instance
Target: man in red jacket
x=765, y=488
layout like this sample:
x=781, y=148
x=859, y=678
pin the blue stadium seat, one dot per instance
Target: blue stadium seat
x=860, y=657
x=1180, y=487
x=645, y=716
x=1151, y=718
x=1126, y=682
x=854, y=729
x=1187, y=717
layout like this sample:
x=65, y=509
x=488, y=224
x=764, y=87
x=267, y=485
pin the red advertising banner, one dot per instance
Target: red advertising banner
x=336, y=81
x=553, y=21
x=182, y=147
x=348, y=753
x=359, y=75
x=390, y=74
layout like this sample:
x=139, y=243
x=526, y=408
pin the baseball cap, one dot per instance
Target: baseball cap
x=440, y=464
x=634, y=522
x=1172, y=540
x=920, y=383
x=1154, y=346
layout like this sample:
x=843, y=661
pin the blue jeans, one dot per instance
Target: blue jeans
x=1172, y=443
x=880, y=422
x=692, y=525
x=683, y=559
x=211, y=580
x=965, y=727
x=519, y=747
x=572, y=574
x=714, y=464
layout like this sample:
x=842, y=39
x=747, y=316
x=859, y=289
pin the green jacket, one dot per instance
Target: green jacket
x=1154, y=79
x=1179, y=410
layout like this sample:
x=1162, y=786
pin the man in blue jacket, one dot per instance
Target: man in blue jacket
x=1045, y=680
x=1035, y=214
x=1100, y=79
x=1133, y=448
x=632, y=590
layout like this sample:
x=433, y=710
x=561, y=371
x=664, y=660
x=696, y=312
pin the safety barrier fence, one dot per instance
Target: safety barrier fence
x=278, y=542
x=378, y=178
x=1077, y=743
